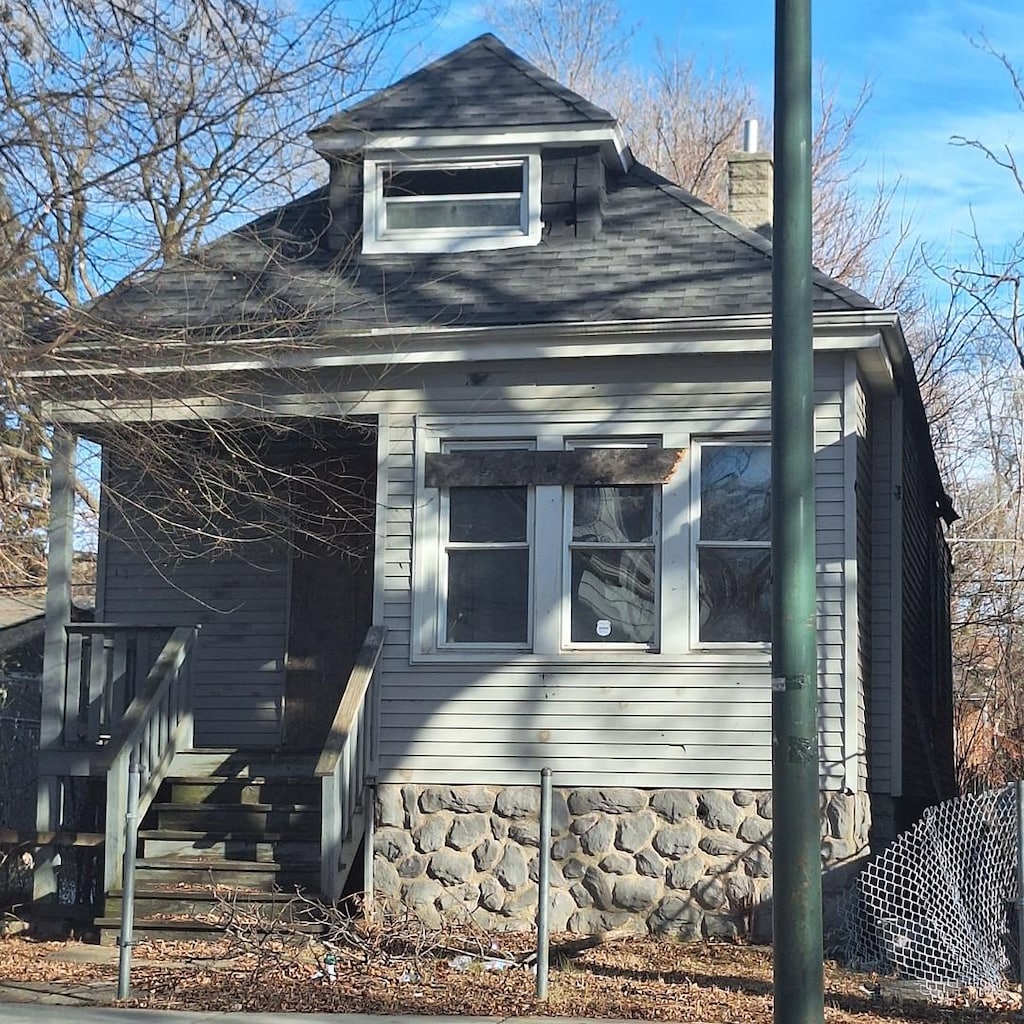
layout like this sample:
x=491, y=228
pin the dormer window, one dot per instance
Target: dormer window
x=451, y=204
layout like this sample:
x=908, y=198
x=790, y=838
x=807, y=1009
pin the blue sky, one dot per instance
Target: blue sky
x=928, y=84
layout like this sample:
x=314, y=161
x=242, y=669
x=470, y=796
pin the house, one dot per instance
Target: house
x=529, y=378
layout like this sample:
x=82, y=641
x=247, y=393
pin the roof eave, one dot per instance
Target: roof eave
x=608, y=136
x=836, y=330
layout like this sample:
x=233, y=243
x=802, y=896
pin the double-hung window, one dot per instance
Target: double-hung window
x=733, y=542
x=485, y=570
x=487, y=558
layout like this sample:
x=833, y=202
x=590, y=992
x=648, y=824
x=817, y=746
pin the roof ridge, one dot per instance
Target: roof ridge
x=754, y=239
x=584, y=108
x=378, y=94
x=540, y=77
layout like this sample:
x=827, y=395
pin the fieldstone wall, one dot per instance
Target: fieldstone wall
x=681, y=863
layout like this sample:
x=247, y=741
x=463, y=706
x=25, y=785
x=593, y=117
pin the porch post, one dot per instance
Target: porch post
x=60, y=552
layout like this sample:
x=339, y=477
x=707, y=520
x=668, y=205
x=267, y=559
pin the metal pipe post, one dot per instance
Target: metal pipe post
x=131, y=833
x=799, y=983
x=370, y=811
x=544, y=884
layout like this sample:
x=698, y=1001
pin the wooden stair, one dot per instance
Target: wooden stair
x=230, y=833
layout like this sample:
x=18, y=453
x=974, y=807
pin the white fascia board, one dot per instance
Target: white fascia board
x=406, y=346
x=607, y=136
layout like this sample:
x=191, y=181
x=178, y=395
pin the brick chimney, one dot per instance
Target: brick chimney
x=751, y=184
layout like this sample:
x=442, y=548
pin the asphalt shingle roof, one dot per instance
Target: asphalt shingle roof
x=481, y=85
x=661, y=254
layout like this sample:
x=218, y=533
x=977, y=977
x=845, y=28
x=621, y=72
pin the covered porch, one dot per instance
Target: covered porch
x=160, y=687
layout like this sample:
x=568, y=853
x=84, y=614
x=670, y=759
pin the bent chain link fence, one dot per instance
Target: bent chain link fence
x=938, y=905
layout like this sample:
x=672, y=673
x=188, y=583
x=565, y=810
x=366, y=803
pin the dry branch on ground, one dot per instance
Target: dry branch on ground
x=635, y=978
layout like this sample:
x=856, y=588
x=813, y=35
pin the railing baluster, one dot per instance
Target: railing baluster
x=119, y=699
x=149, y=731
x=73, y=689
x=94, y=694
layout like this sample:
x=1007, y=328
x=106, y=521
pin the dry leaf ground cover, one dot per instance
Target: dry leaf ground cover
x=632, y=978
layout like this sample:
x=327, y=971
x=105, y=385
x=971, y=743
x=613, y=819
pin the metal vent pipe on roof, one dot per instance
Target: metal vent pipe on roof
x=750, y=139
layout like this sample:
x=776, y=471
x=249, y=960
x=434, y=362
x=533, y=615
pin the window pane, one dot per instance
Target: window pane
x=613, y=596
x=455, y=213
x=488, y=596
x=452, y=181
x=487, y=515
x=735, y=595
x=613, y=515
x=735, y=492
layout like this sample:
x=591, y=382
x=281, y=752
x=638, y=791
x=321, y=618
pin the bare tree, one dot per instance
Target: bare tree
x=685, y=119
x=126, y=131
x=582, y=45
x=685, y=116
x=23, y=487
x=982, y=354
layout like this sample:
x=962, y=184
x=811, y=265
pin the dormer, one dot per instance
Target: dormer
x=478, y=151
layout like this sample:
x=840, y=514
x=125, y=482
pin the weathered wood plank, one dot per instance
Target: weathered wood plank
x=19, y=837
x=582, y=467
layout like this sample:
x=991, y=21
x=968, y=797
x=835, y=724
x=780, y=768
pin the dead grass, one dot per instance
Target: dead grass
x=633, y=978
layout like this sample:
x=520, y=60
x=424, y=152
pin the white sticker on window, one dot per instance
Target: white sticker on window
x=603, y=628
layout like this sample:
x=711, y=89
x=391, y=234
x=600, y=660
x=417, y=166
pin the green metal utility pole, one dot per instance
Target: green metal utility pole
x=797, y=839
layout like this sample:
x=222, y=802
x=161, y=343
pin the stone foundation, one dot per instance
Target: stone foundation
x=688, y=864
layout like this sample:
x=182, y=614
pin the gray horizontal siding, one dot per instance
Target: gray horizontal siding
x=881, y=750
x=242, y=606
x=695, y=721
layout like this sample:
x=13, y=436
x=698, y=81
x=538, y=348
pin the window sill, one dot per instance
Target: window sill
x=424, y=242
x=586, y=659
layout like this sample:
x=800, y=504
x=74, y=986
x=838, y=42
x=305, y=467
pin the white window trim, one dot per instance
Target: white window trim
x=378, y=238
x=435, y=633
x=678, y=593
x=696, y=644
x=445, y=546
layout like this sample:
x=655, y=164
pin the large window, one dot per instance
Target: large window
x=487, y=566
x=453, y=205
x=734, y=543
x=560, y=547
x=612, y=567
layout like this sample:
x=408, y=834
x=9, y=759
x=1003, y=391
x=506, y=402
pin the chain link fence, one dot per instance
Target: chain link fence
x=938, y=905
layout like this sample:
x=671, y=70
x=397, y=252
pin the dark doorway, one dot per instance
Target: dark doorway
x=331, y=603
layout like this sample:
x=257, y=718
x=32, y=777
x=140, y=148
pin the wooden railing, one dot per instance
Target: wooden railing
x=347, y=759
x=155, y=726
x=107, y=665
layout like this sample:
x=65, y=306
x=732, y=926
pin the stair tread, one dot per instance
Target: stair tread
x=241, y=835
x=244, y=780
x=184, y=923
x=233, y=806
x=205, y=893
x=172, y=861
